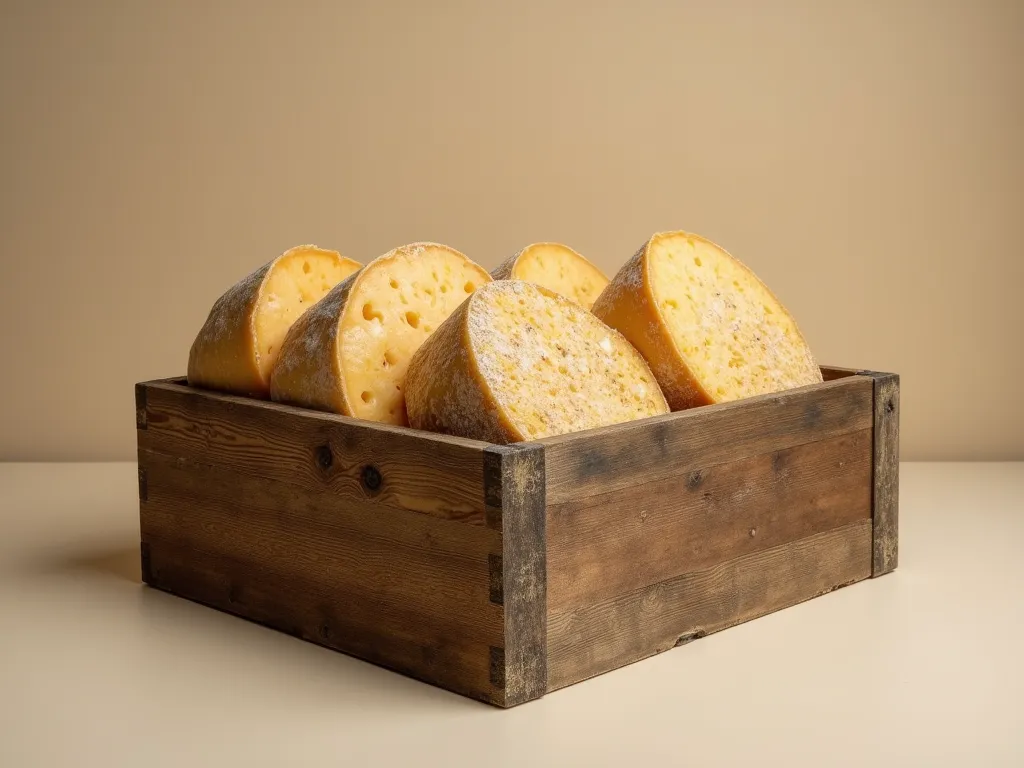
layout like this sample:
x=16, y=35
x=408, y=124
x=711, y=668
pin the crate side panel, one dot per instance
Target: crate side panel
x=390, y=555
x=590, y=640
x=431, y=474
x=629, y=455
x=396, y=587
x=405, y=641
x=606, y=545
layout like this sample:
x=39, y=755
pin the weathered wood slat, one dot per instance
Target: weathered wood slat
x=885, y=555
x=612, y=458
x=831, y=372
x=514, y=478
x=616, y=542
x=433, y=474
x=406, y=563
x=589, y=640
x=410, y=642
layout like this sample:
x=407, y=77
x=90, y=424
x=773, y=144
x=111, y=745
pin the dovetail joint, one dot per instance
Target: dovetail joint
x=495, y=565
x=498, y=667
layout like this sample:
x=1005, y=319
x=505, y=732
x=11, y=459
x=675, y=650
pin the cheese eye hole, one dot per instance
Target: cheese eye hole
x=696, y=260
x=469, y=287
x=390, y=357
x=413, y=319
x=367, y=397
x=369, y=313
x=393, y=283
x=305, y=267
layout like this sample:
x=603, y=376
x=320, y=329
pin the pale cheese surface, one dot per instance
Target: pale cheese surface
x=519, y=362
x=237, y=347
x=352, y=354
x=558, y=268
x=707, y=325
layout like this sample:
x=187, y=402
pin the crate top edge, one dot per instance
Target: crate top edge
x=834, y=377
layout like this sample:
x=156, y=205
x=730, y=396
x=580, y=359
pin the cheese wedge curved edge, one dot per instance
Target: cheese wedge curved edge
x=350, y=353
x=239, y=343
x=558, y=268
x=519, y=362
x=709, y=328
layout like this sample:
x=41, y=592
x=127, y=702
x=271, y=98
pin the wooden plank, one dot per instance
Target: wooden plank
x=832, y=372
x=886, y=486
x=437, y=568
x=433, y=474
x=514, y=492
x=600, y=637
x=601, y=460
x=399, y=588
x=616, y=542
x=407, y=642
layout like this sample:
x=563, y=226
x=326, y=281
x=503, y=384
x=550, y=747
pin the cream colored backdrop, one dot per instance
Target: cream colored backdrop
x=866, y=158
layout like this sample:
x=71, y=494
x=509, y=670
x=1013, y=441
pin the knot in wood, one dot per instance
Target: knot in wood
x=371, y=478
x=324, y=457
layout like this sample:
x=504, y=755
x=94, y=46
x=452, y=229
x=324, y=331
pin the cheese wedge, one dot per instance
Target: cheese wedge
x=558, y=268
x=350, y=353
x=519, y=362
x=709, y=328
x=238, y=345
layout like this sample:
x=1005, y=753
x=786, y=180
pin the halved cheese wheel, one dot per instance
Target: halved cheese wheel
x=558, y=268
x=350, y=353
x=239, y=343
x=709, y=328
x=519, y=362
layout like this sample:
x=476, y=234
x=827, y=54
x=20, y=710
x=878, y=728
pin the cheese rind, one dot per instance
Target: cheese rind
x=558, y=268
x=238, y=345
x=709, y=328
x=350, y=353
x=520, y=362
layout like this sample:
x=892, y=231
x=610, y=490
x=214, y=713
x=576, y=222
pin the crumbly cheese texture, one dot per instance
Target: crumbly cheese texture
x=519, y=362
x=558, y=268
x=238, y=346
x=350, y=353
x=709, y=328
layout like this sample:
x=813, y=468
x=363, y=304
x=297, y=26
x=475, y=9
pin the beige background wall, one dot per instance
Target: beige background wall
x=865, y=158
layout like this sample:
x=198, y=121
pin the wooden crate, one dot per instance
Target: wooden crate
x=506, y=572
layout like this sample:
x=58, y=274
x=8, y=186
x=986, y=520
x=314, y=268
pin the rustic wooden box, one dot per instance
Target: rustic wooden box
x=506, y=572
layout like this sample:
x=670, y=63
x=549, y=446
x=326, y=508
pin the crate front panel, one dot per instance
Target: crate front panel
x=368, y=540
x=666, y=530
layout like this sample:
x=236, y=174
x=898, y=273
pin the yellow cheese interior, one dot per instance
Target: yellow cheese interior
x=295, y=283
x=561, y=270
x=552, y=367
x=398, y=301
x=735, y=336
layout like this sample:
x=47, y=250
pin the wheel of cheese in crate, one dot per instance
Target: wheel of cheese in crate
x=558, y=268
x=350, y=353
x=709, y=328
x=520, y=362
x=238, y=345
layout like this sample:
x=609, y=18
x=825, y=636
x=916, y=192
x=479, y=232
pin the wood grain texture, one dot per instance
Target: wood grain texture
x=589, y=640
x=514, y=491
x=407, y=642
x=432, y=474
x=613, y=543
x=886, y=487
x=602, y=460
x=397, y=587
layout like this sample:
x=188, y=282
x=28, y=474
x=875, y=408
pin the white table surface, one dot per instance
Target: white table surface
x=923, y=667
